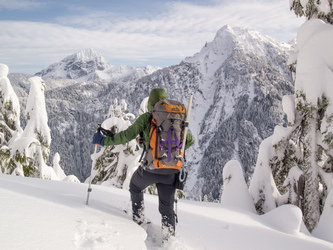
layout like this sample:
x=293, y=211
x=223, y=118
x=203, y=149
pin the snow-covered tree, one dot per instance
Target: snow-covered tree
x=59, y=172
x=277, y=155
x=262, y=188
x=31, y=149
x=235, y=192
x=25, y=153
x=314, y=101
x=116, y=164
x=321, y=9
x=144, y=106
x=36, y=115
x=57, y=169
x=9, y=118
x=119, y=110
x=308, y=139
x=295, y=184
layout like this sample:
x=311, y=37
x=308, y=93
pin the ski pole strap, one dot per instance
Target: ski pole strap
x=143, y=152
x=106, y=132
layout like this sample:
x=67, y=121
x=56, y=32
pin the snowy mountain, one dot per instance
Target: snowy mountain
x=88, y=65
x=245, y=77
x=238, y=81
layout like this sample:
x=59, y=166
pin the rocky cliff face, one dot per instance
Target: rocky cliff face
x=238, y=81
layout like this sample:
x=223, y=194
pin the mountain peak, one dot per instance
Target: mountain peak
x=227, y=39
x=87, y=55
x=89, y=65
x=216, y=51
x=76, y=66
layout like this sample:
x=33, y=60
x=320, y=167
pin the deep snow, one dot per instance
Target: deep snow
x=45, y=214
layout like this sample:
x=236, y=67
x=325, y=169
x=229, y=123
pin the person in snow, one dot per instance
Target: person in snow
x=144, y=176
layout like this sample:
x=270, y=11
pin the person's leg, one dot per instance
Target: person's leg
x=139, y=181
x=166, y=194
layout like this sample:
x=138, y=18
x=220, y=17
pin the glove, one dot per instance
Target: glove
x=98, y=139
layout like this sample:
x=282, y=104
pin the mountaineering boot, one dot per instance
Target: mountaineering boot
x=138, y=208
x=168, y=227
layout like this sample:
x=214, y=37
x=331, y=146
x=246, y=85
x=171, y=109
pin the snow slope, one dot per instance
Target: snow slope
x=44, y=214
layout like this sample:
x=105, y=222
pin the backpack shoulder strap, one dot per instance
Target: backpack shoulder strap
x=142, y=136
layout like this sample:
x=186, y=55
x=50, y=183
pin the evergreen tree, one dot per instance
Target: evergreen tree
x=307, y=141
x=235, y=192
x=295, y=184
x=321, y=9
x=116, y=164
x=262, y=187
x=9, y=118
x=313, y=107
x=31, y=150
x=57, y=169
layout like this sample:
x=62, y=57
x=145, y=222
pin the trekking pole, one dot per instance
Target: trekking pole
x=176, y=206
x=182, y=163
x=92, y=167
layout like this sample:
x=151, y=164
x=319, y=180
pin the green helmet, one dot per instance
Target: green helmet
x=155, y=96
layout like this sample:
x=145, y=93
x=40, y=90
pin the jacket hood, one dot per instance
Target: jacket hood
x=155, y=96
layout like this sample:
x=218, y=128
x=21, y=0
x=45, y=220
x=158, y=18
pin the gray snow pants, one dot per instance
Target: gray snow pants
x=166, y=193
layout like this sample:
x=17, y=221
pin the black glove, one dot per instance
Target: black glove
x=108, y=133
x=98, y=139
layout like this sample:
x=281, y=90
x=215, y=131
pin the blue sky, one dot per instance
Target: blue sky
x=35, y=33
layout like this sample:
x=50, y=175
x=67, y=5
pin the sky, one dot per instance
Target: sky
x=36, y=33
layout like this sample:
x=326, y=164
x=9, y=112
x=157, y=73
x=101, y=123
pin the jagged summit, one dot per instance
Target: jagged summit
x=76, y=66
x=228, y=38
x=89, y=55
x=88, y=65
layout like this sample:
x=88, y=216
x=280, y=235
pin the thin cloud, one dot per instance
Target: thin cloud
x=271, y=18
x=162, y=40
x=19, y=4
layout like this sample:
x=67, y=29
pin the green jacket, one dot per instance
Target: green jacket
x=142, y=124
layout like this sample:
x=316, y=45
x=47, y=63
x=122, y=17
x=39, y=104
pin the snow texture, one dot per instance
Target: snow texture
x=324, y=230
x=36, y=112
x=235, y=192
x=315, y=60
x=46, y=214
x=262, y=179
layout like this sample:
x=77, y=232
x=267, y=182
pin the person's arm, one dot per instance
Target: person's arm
x=129, y=134
x=126, y=135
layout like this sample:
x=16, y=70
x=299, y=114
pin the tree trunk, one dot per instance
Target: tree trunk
x=311, y=192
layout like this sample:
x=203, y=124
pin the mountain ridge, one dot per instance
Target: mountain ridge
x=88, y=65
x=238, y=80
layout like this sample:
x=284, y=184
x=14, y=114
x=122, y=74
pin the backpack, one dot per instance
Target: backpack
x=166, y=135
